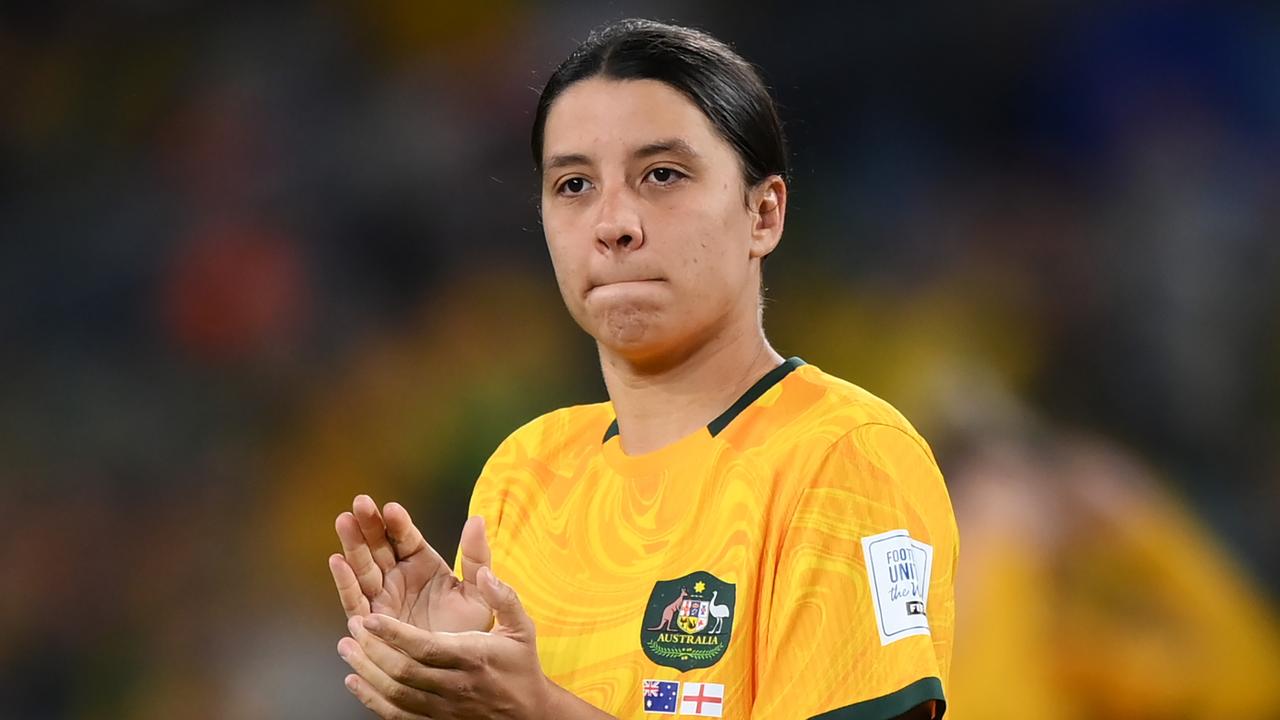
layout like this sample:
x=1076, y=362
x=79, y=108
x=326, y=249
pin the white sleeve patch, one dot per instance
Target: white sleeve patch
x=898, y=573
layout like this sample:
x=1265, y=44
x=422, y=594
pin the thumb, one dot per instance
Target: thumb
x=507, y=610
x=474, y=549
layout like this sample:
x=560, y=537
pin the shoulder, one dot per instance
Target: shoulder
x=532, y=457
x=553, y=435
x=841, y=415
x=852, y=446
x=869, y=467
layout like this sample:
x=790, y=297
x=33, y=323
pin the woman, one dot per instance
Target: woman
x=732, y=534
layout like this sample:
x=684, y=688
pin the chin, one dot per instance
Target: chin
x=629, y=330
x=641, y=338
x=629, y=327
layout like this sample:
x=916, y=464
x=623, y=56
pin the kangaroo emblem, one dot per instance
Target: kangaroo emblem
x=695, y=629
x=669, y=613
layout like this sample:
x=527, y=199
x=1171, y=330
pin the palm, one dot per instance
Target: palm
x=387, y=567
x=424, y=592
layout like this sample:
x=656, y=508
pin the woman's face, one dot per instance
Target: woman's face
x=656, y=243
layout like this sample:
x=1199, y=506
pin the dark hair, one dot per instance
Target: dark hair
x=728, y=89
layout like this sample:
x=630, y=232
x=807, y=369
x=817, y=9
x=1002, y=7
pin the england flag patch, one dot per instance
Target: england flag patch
x=704, y=699
x=898, y=571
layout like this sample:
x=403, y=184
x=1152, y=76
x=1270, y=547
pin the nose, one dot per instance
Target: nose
x=618, y=225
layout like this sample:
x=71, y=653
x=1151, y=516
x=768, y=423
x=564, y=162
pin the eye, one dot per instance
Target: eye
x=666, y=175
x=573, y=186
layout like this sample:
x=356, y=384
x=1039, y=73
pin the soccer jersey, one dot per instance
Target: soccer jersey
x=793, y=559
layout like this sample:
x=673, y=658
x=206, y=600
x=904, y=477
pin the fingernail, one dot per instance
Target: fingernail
x=342, y=649
x=350, y=682
x=372, y=623
x=354, y=625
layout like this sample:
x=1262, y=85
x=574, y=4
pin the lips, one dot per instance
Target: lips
x=622, y=281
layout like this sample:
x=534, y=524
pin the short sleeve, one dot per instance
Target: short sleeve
x=859, y=625
x=487, y=497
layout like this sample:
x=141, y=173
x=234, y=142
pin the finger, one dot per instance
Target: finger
x=399, y=694
x=434, y=649
x=442, y=682
x=403, y=534
x=508, y=613
x=358, y=556
x=374, y=531
x=350, y=595
x=474, y=548
x=376, y=702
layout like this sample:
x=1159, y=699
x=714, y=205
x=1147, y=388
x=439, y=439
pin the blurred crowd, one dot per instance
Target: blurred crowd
x=256, y=258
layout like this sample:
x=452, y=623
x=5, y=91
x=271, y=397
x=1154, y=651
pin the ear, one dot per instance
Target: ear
x=767, y=202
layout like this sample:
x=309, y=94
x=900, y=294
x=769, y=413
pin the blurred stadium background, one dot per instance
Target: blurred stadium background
x=260, y=257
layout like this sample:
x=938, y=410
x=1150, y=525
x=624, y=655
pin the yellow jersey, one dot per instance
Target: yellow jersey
x=793, y=559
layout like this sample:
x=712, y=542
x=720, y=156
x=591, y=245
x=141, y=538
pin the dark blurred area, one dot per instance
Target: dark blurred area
x=258, y=258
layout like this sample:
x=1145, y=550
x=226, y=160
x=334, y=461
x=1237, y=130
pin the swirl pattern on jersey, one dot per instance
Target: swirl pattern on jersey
x=776, y=504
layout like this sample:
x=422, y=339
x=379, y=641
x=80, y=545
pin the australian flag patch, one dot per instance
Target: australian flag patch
x=660, y=696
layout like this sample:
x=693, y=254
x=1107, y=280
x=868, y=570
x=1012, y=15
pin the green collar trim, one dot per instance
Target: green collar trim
x=753, y=393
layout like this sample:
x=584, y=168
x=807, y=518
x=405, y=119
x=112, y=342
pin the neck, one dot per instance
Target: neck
x=657, y=405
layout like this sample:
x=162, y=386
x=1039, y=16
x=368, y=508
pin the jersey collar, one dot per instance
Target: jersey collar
x=753, y=393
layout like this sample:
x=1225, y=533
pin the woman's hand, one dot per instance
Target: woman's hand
x=403, y=672
x=387, y=567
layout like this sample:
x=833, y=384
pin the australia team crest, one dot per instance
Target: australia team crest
x=688, y=621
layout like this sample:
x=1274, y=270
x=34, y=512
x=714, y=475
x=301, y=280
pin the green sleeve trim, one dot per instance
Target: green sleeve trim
x=893, y=704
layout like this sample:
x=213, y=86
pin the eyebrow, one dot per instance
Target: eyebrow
x=560, y=161
x=676, y=146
